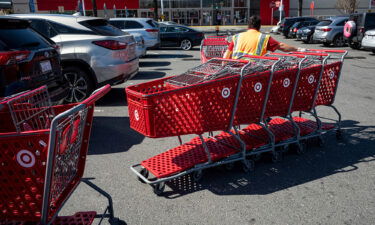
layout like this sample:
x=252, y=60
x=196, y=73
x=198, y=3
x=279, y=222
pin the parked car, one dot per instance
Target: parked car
x=275, y=29
x=289, y=21
x=180, y=36
x=305, y=34
x=141, y=48
x=168, y=23
x=28, y=60
x=330, y=31
x=368, y=41
x=363, y=22
x=293, y=29
x=93, y=52
x=148, y=28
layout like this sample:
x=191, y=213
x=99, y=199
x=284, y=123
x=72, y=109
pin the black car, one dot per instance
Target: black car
x=289, y=21
x=305, y=34
x=363, y=22
x=293, y=29
x=180, y=36
x=28, y=60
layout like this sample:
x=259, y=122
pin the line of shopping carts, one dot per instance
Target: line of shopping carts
x=42, y=158
x=262, y=93
x=214, y=47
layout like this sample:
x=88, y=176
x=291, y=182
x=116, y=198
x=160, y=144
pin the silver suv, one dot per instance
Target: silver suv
x=330, y=31
x=93, y=52
x=148, y=28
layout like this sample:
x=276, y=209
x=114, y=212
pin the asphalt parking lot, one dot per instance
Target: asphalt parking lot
x=330, y=185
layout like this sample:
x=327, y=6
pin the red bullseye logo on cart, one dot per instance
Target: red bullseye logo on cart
x=286, y=82
x=311, y=79
x=136, y=115
x=258, y=87
x=26, y=158
x=225, y=92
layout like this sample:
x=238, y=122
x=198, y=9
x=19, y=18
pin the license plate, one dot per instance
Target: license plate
x=46, y=66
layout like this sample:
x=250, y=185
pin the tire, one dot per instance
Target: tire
x=355, y=45
x=80, y=84
x=326, y=44
x=373, y=51
x=338, y=41
x=186, y=44
x=305, y=42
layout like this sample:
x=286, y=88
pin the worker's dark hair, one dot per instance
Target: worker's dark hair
x=254, y=22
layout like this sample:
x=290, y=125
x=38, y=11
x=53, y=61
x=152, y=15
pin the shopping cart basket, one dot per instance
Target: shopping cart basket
x=42, y=158
x=213, y=47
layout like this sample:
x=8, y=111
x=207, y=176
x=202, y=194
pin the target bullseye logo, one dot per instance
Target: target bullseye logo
x=311, y=79
x=286, y=82
x=331, y=74
x=136, y=115
x=26, y=158
x=225, y=92
x=258, y=87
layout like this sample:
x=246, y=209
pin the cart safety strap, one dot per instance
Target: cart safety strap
x=251, y=42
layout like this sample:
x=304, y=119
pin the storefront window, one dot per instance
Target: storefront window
x=240, y=3
x=217, y=4
x=186, y=3
x=148, y=4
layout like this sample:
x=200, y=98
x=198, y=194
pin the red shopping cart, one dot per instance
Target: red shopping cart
x=213, y=47
x=42, y=158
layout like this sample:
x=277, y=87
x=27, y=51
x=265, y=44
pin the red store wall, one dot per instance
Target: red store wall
x=266, y=11
x=47, y=5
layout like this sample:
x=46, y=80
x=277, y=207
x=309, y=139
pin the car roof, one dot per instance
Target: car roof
x=131, y=18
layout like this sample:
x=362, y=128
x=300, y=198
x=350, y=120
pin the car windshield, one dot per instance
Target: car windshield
x=152, y=23
x=102, y=27
x=296, y=25
x=21, y=39
x=325, y=23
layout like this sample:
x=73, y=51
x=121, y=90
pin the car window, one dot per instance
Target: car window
x=152, y=23
x=22, y=39
x=62, y=29
x=117, y=23
x=341, y=23
x=102, y=27
x=43, y=27
x=131, y=24
x=182, y=29
x=163, y=29
x=325, y=23
x=370, y=21
x=172, y=29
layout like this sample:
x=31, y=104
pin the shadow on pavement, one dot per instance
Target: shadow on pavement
x=335, y=157
x=154, y=64
x=112, y=135
x=116, y=97
x=164, y=56
x=142, y=75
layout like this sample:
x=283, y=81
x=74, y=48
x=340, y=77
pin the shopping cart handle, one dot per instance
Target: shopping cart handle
x=97, y=94
x=284, y=54
x=327, y=50
x=311, y=53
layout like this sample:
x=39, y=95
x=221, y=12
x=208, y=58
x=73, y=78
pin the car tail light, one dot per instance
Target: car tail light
x=111, y=44
x=326, y=29
x=152, y=30
x=295, y=30
x=7, y=58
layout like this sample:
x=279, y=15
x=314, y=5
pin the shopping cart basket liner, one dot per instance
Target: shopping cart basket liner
x=60, y=144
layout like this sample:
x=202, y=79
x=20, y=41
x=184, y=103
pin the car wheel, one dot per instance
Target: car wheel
x=186, y=44
x=305, y=41
x=338, y=41
x=355, y=45
x=326, y=44
x=373, y=51
x=80, y=84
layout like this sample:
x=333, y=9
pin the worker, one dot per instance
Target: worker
x=253, y=42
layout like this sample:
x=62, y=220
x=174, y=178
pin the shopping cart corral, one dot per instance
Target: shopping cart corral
x=220, y=95
x=42, y=158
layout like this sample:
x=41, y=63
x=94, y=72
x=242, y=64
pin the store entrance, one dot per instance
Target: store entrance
x=188, y=17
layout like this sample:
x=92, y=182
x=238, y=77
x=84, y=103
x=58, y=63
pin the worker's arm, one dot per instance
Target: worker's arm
x=227, y=54
x=287, y=48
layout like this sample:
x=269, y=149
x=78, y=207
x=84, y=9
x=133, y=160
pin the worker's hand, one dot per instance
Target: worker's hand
x=301, y=49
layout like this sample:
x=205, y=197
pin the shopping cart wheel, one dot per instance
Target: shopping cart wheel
x=248, y=165
x=144, y=172
x=339, y=135
x=159, y=188
x=321, y=141
x=116, y=221
x=277, y=156
x=197, y=175
x=301, y=148
x=229, y=166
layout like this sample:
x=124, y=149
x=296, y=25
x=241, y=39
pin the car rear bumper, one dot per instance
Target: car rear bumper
x=115, y=74
x=368, y=43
